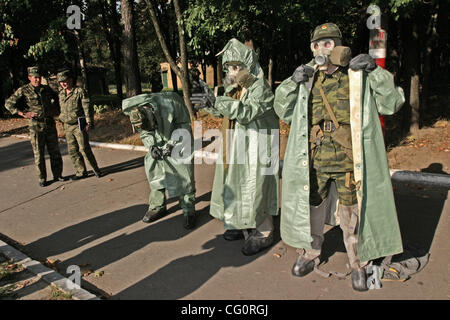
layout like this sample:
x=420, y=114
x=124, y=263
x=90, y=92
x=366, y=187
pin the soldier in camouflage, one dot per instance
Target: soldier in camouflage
x=41, y=106
x=331, y=160
x=74, y=103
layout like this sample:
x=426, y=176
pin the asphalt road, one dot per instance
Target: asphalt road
x=96, y=224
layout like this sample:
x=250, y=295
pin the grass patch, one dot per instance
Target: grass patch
x=7, y=291
x=57, y=294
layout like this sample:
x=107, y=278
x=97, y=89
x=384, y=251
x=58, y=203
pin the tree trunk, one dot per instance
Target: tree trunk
x=130, y=61
x=183, y=72
x=215, y=73
x=270, y=72
x=219, y=72
x=174, y=80
x=113, y=44
x=413, y=76
x=184, y=59
x=84, y=74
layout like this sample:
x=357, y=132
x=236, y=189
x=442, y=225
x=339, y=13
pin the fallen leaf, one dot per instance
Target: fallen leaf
x=277, y=255
x=100, y=273
x=62, y=188
x=110, y=179
x=86, y=273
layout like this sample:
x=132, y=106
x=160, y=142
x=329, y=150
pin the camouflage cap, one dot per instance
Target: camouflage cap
x=326, y=30
x=34, y=71
x=63, y=75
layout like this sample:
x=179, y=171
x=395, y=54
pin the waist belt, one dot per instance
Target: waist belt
x=327, y=126
x=43, y=119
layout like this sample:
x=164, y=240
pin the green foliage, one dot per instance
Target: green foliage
x=98, y=108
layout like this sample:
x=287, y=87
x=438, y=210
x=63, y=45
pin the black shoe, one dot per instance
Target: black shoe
x=75, y=177
x=232, y=235
x=255, y=244
x=98, y=173
x=60, y=178
x=303, y=266
x=359, y=279
x=189, y=221
x=153, y=215
x=43, y=183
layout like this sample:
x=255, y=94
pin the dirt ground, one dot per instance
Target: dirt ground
x=17, y=283
x=427, y=151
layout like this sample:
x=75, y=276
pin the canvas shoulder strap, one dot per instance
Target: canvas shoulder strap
x=328, y=107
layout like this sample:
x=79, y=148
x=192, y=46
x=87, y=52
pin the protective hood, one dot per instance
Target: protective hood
x=136, y=101
x=235, y=50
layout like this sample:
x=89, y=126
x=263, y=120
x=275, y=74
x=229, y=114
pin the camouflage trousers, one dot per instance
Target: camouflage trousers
x=157, y=201
x=349, y=223
x=43, y=133
x=79, y=148
x=320, y=182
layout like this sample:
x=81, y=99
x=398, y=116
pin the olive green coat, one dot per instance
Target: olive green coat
x=170, y=114
x=379, y=233
x=242, y=195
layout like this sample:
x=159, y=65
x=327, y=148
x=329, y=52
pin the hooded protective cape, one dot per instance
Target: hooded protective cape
x=171, y=114
x=379, y=233
x=247, y=190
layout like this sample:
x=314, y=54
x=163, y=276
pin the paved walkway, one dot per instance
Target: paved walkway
x=96, y=224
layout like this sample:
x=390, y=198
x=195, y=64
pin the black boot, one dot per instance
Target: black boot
x=60, y=178
x=359, y=279
x=43, y=183
x=189, y=221
x=303, y=266
x=255, y=243
x=153, y=215
x=232, y=235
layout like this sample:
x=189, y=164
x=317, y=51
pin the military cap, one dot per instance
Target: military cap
x=64, y=75
x=34, y=71
x=326, y=30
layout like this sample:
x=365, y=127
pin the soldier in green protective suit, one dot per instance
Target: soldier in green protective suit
x=320, y=163
x=245, y=189
x=41, y=106
x=165, y=127
x=75, y=106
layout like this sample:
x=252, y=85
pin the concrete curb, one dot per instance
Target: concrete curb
x=48, y=275
x=398, y=175
x=432, y=179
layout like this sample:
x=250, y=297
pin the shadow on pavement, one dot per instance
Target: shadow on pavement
x=15, y=155
x=185, y=275
x=124, y=166
x=419, y=209
x=80, y=234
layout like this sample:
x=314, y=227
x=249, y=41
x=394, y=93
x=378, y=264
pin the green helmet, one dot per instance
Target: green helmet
x=326, y=30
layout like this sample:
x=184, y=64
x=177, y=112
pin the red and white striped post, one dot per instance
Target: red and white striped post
x=377, y=50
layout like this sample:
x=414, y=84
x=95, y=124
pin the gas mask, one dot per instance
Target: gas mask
x=232, y=70
x=330, y=51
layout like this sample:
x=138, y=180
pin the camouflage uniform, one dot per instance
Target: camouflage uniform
x=43, y=101
x=330, y=160
x=75, y=105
